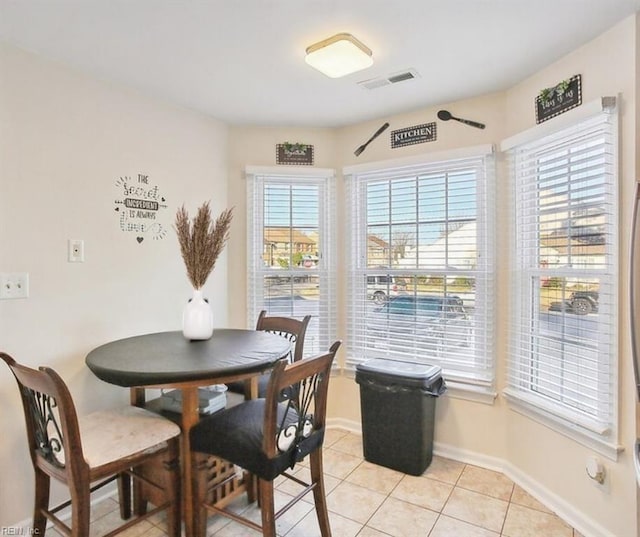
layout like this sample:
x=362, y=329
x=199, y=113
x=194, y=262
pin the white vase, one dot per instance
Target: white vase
x=197, y=318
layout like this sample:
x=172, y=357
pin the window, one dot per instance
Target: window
x=420, y=280
x=291, y=271
x=565, y=311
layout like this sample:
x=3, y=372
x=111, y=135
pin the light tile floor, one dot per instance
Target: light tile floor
x=451, y=499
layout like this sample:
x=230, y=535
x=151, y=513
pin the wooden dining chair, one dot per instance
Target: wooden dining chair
x=287, y=327
x=267, y=437
x=89, y=452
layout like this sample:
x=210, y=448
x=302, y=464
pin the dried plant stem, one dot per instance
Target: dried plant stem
x=202, y=242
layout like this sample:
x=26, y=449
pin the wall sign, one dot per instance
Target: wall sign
x=297, y=154
x=554, y=101
x=418, y=134
x=140, y=207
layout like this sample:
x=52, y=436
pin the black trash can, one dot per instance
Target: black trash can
x=397, y=403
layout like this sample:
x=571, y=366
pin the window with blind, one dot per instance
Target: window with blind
x=290, y=241
x=421, y=278
x=565, y=310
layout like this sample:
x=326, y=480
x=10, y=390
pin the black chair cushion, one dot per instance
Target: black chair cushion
x=235, y=434
x=238, y=386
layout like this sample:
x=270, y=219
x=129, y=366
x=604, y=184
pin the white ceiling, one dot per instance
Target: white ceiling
x=242, y=61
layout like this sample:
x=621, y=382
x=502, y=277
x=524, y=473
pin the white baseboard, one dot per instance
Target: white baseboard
x=567, y=512
x=576, y=518
x=579, y=520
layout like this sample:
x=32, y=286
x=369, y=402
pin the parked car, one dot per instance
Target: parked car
x=381, y=288
x=584, y=302
x=580, y=303
x=431, y=322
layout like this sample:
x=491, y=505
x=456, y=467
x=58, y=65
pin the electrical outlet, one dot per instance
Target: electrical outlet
x=75, y=251
x=14, y=285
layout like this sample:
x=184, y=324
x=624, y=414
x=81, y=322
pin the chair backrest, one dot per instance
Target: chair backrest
x=292, y=329
x=296, y=405
x=51, y=419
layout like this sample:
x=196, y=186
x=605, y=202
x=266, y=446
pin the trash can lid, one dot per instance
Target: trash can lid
x=394, y=368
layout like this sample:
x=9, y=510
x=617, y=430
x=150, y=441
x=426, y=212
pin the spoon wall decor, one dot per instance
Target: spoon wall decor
x=375, y=135
x=445, y=115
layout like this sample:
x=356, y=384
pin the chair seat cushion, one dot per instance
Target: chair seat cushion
x=238, y=386
x=111, y=435
x=235, y=434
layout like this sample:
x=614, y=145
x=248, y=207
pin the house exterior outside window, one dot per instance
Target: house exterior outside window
x=564, y=318
x=420, y=254
x=291, y=249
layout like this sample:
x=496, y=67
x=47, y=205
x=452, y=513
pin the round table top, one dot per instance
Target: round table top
x=169, y=358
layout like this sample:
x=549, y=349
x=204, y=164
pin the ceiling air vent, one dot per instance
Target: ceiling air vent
x=374, y=83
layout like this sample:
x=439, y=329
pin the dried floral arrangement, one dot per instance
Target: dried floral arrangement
x=202, y=241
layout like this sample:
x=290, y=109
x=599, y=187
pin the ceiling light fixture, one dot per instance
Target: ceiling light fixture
x=339, y=55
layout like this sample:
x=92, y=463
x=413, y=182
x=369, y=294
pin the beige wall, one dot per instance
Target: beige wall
x=462, y=417
x=547, y=463
x=608, y=67
x=257, y=147
x=64, y=141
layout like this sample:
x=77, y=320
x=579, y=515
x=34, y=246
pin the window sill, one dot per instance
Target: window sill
x=478, y=394
x=605, y=447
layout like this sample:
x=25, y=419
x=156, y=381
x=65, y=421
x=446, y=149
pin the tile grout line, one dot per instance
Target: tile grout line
x=456, y=485
x=506, y=514
x=448, y=497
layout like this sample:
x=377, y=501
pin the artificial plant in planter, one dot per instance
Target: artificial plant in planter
x=547, y=94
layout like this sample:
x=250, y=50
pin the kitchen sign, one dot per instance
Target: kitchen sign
x=417, y=134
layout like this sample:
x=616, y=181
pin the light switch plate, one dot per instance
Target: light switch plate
x=75, y=251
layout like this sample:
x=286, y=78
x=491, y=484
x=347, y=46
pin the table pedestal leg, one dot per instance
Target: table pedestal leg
x=190, y=417
x=251, y=388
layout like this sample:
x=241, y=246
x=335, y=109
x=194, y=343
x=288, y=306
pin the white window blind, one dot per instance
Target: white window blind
x=291, y=243
x=564, y=335
x=421, y=266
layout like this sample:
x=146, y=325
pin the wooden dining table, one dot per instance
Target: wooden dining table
x=168, y=360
